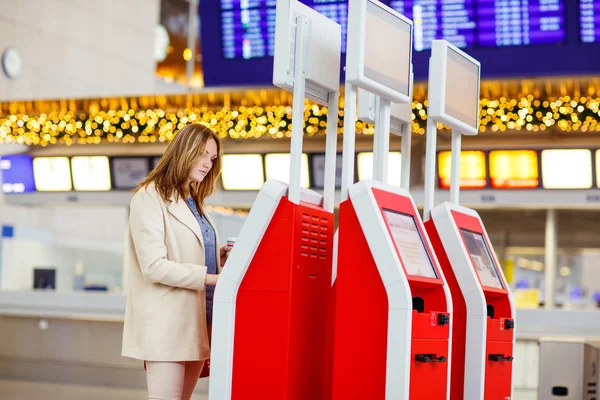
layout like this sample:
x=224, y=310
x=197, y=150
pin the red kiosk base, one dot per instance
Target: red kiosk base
x=280, y=319
x=367, y=323
x=486, y=339
x=271, y=306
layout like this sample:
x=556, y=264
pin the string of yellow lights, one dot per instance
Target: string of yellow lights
x=131, y=124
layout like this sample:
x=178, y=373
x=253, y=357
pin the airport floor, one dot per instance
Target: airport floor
x=26, y=390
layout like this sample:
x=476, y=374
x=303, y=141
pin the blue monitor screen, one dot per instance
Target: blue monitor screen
x=508, y=37
x=248, y=27
x=17, y=173
x=485, y=23
x=589, y=20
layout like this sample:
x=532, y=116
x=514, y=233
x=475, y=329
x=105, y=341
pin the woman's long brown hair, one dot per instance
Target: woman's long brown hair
x=171, y=173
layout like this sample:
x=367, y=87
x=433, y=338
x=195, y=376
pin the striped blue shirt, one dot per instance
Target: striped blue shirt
x=210, y=253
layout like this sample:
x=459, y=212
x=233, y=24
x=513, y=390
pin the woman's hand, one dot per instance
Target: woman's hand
x=223, y=255
x=211, y=279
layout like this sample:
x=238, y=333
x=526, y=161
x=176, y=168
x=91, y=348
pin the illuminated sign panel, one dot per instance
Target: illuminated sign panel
x=511, y=169
x=472, y=169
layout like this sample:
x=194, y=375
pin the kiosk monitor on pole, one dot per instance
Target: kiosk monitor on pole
x=401, y=318
x=270, y=305
x=454, y=88
x=379, y=46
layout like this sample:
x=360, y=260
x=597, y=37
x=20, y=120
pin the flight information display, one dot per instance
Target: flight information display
x=248, y=26
x=589, y=21
x=485, y=23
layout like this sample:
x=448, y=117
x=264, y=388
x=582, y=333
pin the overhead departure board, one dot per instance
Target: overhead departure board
x=469, y=23
x=589, y=20
x=248, y=26
x=511, y=38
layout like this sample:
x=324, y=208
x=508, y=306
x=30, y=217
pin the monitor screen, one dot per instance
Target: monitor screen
x=17, y=173
x=514, y=169
x=239, y=35
x=242, y=172
x=44, y=278
x=277, y=166
x=317, y=170
x=482, y=259
x=129, y=172
x=472, y=169
x=462, y=88
x=589, y=21
x=247, y=26
x=91, y=173
x=410, y=244
x=387, y=61
x=364, y=163
x=598, y=168
x=52, y=174
x=567, y=169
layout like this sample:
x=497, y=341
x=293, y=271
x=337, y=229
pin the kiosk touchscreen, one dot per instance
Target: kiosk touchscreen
x=409, y=242
x=483, y=310
x=392, y=307
x=270, y=306
x=481, y=259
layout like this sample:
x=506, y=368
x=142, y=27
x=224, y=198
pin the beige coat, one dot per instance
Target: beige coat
x=165, y=318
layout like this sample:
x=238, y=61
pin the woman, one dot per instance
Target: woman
x=174, y=265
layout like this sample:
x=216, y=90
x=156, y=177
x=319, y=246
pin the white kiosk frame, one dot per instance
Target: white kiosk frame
x=307, y=61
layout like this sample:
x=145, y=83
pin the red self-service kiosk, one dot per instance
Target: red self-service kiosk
x=270, y=305
x=483, y=311
x=483, y=330
x=392, y=307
